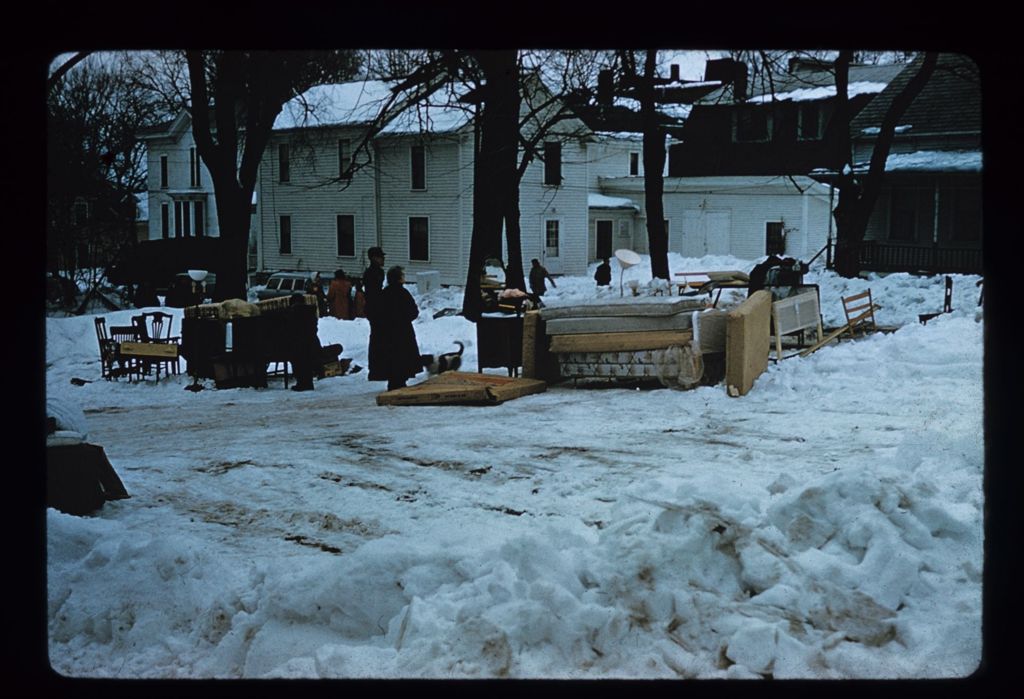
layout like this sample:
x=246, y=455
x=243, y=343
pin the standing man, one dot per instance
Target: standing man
x=537, y=276
x=373, y=282
x=394, y=311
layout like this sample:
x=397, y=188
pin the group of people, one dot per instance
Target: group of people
x=394, y=354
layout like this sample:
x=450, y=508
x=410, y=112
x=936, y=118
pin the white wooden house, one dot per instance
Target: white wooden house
x=745, y=217
x=180, y=191
x=413, y=198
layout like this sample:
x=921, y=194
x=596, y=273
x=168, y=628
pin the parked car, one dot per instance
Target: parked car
x=284, y=284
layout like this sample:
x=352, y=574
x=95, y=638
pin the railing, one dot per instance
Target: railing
x=879, y=256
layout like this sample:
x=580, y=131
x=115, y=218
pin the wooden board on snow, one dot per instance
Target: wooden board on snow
x=462, y=388
x=620, y=342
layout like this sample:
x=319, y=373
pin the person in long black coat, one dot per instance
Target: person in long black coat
x=304, y=349
x=394, y=310
x=372, y=282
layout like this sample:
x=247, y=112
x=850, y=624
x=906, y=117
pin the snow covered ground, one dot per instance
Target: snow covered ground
x=826, y=525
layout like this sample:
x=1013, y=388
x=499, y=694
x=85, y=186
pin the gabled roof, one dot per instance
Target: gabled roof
x=170, y=128
x=949, y=102
x=359, y=103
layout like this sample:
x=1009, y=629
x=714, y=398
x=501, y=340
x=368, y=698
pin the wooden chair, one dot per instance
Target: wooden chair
x=860, y=314
x=127, y=366
x=155, y=326
x=108, y=350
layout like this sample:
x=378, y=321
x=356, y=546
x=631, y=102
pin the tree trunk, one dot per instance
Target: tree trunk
x=494, y=167
x=654, y=180
x=858, y=194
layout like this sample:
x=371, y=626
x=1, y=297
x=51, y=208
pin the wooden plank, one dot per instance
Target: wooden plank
x=620, y=342
x=462, y=388
x=150, y=350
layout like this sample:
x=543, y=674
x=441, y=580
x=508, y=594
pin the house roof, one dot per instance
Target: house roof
x=809, y=80
x=950, y=102
x=360, y=103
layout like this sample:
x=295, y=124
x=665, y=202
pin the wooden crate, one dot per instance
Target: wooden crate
x=462, y=388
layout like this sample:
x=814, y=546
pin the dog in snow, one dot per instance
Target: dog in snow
x=438, y=364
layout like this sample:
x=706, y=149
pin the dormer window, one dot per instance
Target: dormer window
x=810, y=122
x=752, y=124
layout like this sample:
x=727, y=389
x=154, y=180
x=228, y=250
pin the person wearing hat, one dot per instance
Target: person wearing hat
x=373, y=282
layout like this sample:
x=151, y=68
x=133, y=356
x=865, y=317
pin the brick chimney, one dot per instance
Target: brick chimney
x=728, y=71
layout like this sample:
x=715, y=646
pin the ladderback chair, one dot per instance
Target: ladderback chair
x=108, y=350
x=155, y=326
x=129, y=366
x=860, y=312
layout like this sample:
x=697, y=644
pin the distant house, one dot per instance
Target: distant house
x=737, y=162
x=928, y=216
x=738, y=168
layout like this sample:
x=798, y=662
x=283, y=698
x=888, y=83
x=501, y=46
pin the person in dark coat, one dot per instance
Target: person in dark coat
x=603, y=275
x=394, y=310
x=315, y=286
x=303, y=344
x=372, y=282
x=537, y=276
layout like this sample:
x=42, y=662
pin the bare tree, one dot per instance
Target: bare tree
x=858, y=192
x=235, y=96
x=96, y=163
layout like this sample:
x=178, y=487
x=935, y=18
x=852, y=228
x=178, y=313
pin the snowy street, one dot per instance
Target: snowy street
x=826, y=525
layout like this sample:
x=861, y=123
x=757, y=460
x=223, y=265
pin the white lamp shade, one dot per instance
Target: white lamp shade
x=627, y=258
x=197, y=275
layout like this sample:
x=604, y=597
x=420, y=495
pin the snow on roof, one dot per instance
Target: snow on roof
x=875, y=130
x=934, y=161
x=817, y=93
x=620, y=135
x=360, y=102
x=600, y=201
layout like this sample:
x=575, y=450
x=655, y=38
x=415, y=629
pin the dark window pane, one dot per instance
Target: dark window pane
x=165, y=221
x=553, y=163
x=283, y=164
x=344, y=159
x=418, y=168
x=775, y=241
x=200, y=229
x=419, y=238
x=346, y=236
x=286, y=235
x=163, y=172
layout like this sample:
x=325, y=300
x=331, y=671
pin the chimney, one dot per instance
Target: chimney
x=728, y=71
x=674, y=72
x=604, y=88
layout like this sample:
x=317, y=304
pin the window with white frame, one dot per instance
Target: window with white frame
x=551, y=238
x=346, y=235
x=634, y=164
x=285, y=235
x=625, y=228
x=189, y=218
x=163, y=172
x=165, y=221
x=810, y=121
x=418, y=167
x=193, y=167
x=419, y=238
